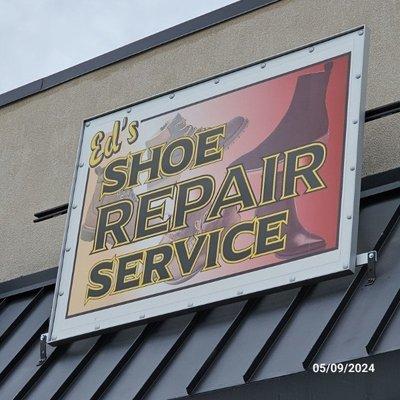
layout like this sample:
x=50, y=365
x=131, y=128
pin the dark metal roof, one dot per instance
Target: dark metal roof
x=205, y=353
x=168, y=35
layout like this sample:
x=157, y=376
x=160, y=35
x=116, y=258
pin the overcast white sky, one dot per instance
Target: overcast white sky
x=40, y=37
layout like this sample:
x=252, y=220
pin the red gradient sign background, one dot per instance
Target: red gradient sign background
x=295, y=109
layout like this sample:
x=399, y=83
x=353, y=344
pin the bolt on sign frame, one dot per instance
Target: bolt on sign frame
x=236, y=185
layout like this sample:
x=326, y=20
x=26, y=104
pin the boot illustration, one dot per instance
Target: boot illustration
x=90, y=220
x=305, y=121
x=299, y=241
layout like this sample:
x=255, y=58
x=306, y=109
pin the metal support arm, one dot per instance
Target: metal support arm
x=369, y=258
x=43, y=349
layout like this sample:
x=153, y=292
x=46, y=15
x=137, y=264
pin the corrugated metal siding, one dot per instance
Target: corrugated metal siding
x=254, y=340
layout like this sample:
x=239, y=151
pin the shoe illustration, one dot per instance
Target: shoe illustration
x=90, y=220
x=178, y=127
x=299, y=241
x=305, y=121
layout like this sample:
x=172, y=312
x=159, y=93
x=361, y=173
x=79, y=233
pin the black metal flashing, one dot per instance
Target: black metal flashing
x=169, y=355
x=382, y=384
x=380, y=329
x=334, y=318
x=150, y=42
x=50, y=212
x=80, y=367
x=14, y=361
x=391, y=225
x=248, y=306
x=209, y=352
x=24, y=310
x=382, y=111
x=140, y=334
x=377, y=181
x=56, y=354
x=28, y=282
x=251, y=370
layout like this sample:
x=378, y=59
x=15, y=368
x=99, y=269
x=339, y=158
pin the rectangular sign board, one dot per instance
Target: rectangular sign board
x=231, y=186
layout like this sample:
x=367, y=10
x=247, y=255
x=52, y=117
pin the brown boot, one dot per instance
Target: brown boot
x=305, y=121
x=299, y=241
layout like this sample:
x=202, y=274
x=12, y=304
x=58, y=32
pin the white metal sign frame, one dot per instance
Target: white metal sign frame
x=332, y=263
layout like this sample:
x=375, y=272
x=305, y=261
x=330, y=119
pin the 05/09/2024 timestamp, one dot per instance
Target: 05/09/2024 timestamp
x=343, y=368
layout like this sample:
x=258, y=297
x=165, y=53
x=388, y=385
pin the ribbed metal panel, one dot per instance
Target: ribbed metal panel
x=200, y=353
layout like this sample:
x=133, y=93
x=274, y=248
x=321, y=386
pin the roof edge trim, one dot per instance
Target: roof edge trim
x=186, y=28
x=27, y=283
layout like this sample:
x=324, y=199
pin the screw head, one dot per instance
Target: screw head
x=60, y=293
x=360, y=33
x=239, y=292
x=87, y=123
x=129, y=110
x=310, y=49
x=292, y=279
x=345, y=267
x=67, y=248
x=97, y=327
x=349, y=217
x=263, y=65
x=172, y=95
x=371, y=255
x=358, y=76
x=190, y=304
x=81, y=164
x=352, y=168
x=355, y=121
x=216, y=81
x=74, y=206
x=142, y=316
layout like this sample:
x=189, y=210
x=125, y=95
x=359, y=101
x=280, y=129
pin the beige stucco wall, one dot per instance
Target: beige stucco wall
x=39, y=135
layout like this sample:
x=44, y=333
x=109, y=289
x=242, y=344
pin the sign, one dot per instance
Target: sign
x=228, y=187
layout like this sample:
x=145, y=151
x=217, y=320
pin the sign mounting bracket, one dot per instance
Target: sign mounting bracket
x=370, y=259
x=43, y=349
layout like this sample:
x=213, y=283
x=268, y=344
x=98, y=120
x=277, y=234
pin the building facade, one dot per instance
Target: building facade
x=259, y=347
